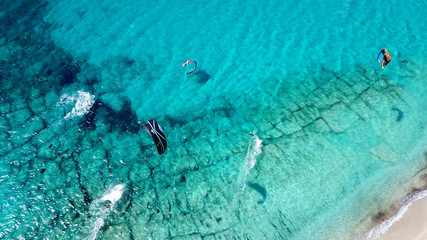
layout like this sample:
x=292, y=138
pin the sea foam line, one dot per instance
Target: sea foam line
x=377, y=231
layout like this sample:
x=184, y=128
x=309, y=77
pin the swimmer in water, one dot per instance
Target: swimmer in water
x=252, y=133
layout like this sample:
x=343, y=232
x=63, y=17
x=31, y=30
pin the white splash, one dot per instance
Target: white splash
x=376, y=232
x=254, y=149
x=101, y=208
x=82, y=103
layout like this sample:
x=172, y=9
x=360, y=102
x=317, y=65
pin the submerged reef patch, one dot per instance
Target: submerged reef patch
x=125, y=119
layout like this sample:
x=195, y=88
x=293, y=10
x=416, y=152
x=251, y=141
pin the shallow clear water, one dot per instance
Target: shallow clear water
x=336, y=136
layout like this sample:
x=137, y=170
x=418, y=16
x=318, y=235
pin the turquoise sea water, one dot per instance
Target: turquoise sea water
x=338, y=139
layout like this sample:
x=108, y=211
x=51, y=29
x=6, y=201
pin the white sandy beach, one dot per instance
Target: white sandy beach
x=412, y=225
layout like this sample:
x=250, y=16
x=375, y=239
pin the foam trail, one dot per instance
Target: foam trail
x=254, y=150
x=83, y=103
x=99, y=212
x=376, y=231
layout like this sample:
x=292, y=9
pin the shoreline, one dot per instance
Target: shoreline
x=409, y=219
x=410, y=222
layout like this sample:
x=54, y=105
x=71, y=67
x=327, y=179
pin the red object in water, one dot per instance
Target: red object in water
x=189, y=61
x=107, y=206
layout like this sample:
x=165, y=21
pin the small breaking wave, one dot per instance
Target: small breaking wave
x=82, y=103
x=377, y=231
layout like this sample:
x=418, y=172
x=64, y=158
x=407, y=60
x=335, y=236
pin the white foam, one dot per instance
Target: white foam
x=82, y=103
x=254, y=149
x=376, y=231
x=99, y=212
x=114, y=194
